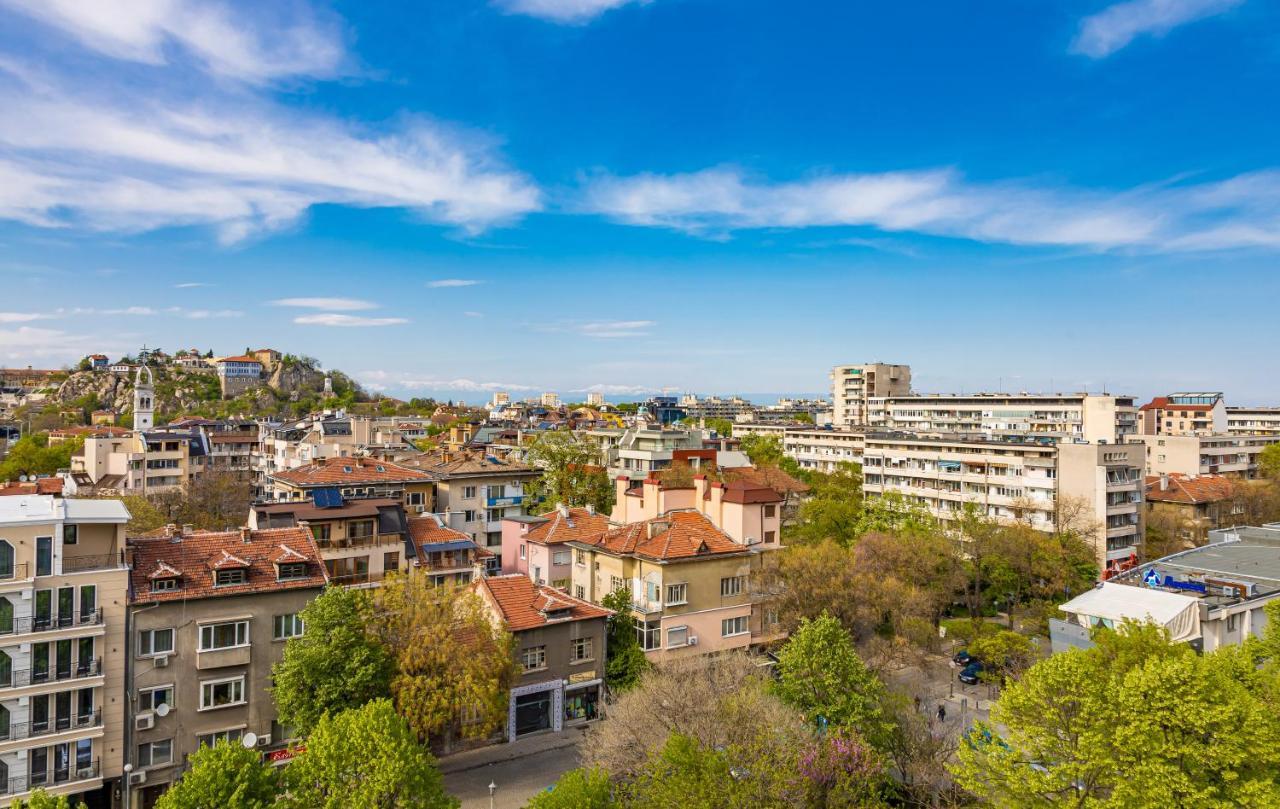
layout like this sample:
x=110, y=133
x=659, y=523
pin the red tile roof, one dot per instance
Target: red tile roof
x=676, y=535
x=193, y=558
x=350, y=471
x=37, y=486
x=524, y=605
x=1163, y=403
x=240, y=358
x=1190, y=491
x=427, y=529
x=558, y=528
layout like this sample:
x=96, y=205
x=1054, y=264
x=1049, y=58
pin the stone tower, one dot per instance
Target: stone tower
x=328, y=386
x=144, y=400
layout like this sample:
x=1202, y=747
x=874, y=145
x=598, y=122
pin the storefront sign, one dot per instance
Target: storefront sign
x=1193, y=586
x=582, y=676
x=282, y=756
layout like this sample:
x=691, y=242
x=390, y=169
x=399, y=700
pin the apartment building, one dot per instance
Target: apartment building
x=1203, y=413
x=210, y=615
x=537, y=545
x=354, y=478
x=638, y=451
x=238, y=374
x=821, y=449
x=447, y=556
x=1091, y=417
x=140, y=462
x=854, y=386
x=1194, y=455
x=63, y=596
x=559, y=649
x=1253, y=420
x=1041, y=482
x=327, y=435
x=476, y=490
x=360, y=539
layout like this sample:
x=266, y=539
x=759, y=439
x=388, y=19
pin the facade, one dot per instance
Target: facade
x=447, y=556
x=326, y=435
x=1190, y=506
x=360, y=540
x=144, y=399
x=638, y=451
x=476, y=490
x=854, y=386
x=560, y=653
x=818, y=448
x=1089, y=417
x=1253, y=420
x=1185, y=414
x=63, y=591
x=594, y=399
x=354, y=478
x=238, y=374
x=140, y=462
x=210, y=614
x=1195, y=455
x=1043, y=483
x=537, y=546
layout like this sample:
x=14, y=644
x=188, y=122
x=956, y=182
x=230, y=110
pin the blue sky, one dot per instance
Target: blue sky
x=707, y=195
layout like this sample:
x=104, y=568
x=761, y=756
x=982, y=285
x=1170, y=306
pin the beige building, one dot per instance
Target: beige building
x=63, y=593
x=1075, y=416
x=853, y=386
x=141, y=462
x=1043, y=483
x=327, y=435
x=1253, y=420
x=1194, y=455
x=476, y=491
x=361, y=540
x=210, y=615
x=817, y=448
x=1203, y=413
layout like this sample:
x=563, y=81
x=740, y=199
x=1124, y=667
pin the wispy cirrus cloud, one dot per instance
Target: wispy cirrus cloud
x=565, y=12
x=404, y=380
x=20, y=317
x=24, y=343
x=334, y=304
x=347, y=321
x=1111, y=29
x=447, y=283
x=1240, y=212
x=191, y=285
x=611, y=329
x=616, y=390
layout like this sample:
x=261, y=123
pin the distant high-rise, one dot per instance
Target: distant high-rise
x=853, y=385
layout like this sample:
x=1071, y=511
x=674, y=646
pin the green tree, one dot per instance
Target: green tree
x=763, y=450
x=43, y=800
x=335, y=665
x=34, y=455
x=626, y=661
x=578, y=789
x=364, y=758
x=1004, y=654
x=571, y=471
x=723, y=427
x=1269, y=461
x=833, y=509
x=226, y=776
x=821, y=675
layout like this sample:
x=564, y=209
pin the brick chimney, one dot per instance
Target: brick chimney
x=246, y=535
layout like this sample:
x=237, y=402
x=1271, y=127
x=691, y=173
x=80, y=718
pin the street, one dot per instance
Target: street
x=517, y=779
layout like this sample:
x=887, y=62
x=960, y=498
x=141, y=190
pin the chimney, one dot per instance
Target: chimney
x=591, y=509
x=245, y=535
x=187, y=528
x=657, y=527
x=1164, y=483
x=563, y=509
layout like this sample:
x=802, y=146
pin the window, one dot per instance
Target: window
x=70, y=533
x=1232, y=622
x=390, y=561
x=770, y=536
x=469, y=515
x=468, y=492
x=225, y=578
x=149, y=698
x=221, y=693
x=731, y=586
x=44, y=556
x=154, y=754
x=677, y=594
x=522, y=551
x=291, y=571
x=579, y=592
x=164, y=585
x=580, y=650
x=287, y=626
x=224, y=636
x=153, y=642
x=415, y=498
x=734, y=626
x=226, y=736
x=359, y=529
x=580, y=556
x=534, y=658
x=678, y=636
x=770, y=511
x=321, y=532
x=493, y=514
x=560, y=558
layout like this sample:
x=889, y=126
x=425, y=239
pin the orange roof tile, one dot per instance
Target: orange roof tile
x=240, y=358
x=524, y=605
x=558, y=528
x=675, y=535
x=350, y=471
x=1182, y=489
x=427, y=530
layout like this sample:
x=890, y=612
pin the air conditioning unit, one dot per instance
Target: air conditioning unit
x=144, y=721
x=264, y=740
x=161, y=662
x=693, y=640
x=136, y=778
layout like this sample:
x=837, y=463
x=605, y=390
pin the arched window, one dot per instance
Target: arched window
x=6, y=560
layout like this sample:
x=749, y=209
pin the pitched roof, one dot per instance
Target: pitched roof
x=428, y=529
x=350, y=471
x=769, y=477
x=559, y=527
x=37, y=486
x=240, y=358
x=673, y=536
x=195, y=557
x=1165, y=403
x=451, y=464
x=524, y=605
x=1190, y=490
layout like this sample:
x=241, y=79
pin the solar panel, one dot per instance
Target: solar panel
x=327, y=498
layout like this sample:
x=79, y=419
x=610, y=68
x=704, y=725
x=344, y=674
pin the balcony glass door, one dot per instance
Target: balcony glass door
x=44, y=556
x=61, y=762
x=39, y=717
x=66, y=606
x=39, y=662
x=6, y=560
x=39, y=758
x=44, y=609
x=62, y=710
x=88, y=602
x=84, y=707
x=6, y=616
x=63, y=649
x=84, y=656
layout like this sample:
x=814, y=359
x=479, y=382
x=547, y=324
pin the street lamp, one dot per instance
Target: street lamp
x=492, y=789
x=128, y=768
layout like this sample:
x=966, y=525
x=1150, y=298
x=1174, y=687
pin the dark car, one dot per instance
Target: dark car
x=962, y=658
x=971, y=674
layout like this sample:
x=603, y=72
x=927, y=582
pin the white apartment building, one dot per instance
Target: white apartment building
x=852, y=386
x=328, y=435
x=1089, y=417
x=1043, y=482
x=637, y=451
x=1253, y=420
x=817, y=448
x=1194, y=455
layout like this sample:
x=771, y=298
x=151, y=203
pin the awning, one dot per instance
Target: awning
x=453, y=545
x=1110, y=604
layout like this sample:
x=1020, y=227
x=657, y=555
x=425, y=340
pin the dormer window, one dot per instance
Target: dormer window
x=164, y=585
x=346, y=469
x=381, y=468
x=235, y=575
x=558, y=614
x=292, y=571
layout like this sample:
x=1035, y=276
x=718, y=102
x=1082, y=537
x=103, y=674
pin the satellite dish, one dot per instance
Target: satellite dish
x=162, y=709
x=22, y=478
x=249, y=739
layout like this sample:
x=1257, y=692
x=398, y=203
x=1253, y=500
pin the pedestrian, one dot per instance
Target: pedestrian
x=942, y=712
x=917, y=700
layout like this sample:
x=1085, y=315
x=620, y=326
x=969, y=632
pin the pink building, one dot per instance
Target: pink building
x=535, y=545
x=747, y=510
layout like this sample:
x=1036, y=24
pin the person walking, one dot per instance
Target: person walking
x=942, y=712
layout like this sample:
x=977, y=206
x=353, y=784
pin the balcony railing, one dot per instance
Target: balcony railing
x=358, y=542
x=350, y=579
x=12, y=571
x=28, y=624
x=104, y=561
x=23, y=677
x=18, y=784
x=45, y=727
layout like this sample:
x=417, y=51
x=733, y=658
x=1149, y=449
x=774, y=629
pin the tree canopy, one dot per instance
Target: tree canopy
x=34, y=455
x=225, y=776
x=626, y=661
x=571, y=471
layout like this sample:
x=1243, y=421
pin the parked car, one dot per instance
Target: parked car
x=962, y=658
x=971, y=674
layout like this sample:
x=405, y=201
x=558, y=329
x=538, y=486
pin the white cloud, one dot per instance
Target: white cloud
x=20, y=317
x=1114, y=27
x=563, y=11
x=339, y=304
x=615, y=390
x=473, y=314
x=1243, y=211
x=28, y=342
x=410, y=381
x=221, y=39
x=335, y=319
x=616, y=328
x=452, y=282
x=205, y=314
x=191, y=285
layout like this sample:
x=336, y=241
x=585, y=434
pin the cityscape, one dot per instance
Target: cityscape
x=606, y=404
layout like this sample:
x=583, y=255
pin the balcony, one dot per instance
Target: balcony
x=14, y=572
x=80, y=564
x=367, y=541
x=220, y=658
x=20, y=784
x=359, y=579
x=17, y=731
x=25, y=677
x=504, y=502
x=29, y=624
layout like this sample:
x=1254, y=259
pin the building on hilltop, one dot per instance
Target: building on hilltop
x=238, y=374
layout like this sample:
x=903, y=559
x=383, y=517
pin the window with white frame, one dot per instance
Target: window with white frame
x=734, y=626
x=522, y=552
x=533, y=658
x=221, y=693
x=468, y=492
x=149, y=698
x=580, y=556
x=225, y=578
x=154, y=754
x=153, y=642
x=469, y=515
x=678, y=636
x=579, y=591
x=580, y=650
x=228, y=736
x=286, y=626
x=560, y=558
x=224, y=636
x=615, y=584
x=732, y=586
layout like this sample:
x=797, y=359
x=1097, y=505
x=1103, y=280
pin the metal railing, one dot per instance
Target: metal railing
x=18, y=784
x=23, y=677
x=29, y=624
x=45, y=727
x=104, y=561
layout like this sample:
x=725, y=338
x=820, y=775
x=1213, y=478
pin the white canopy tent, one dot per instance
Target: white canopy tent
x=1111, y=604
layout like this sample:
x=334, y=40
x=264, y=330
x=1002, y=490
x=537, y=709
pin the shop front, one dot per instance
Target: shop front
x=535, y=708
x=581, y=698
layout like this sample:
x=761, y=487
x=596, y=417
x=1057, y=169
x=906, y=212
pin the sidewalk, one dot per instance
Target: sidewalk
x=498, y=753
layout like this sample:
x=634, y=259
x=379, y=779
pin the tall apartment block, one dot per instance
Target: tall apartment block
x=63, y=593
x=853, y=385
x=1075, y=416
x=1253, y=420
